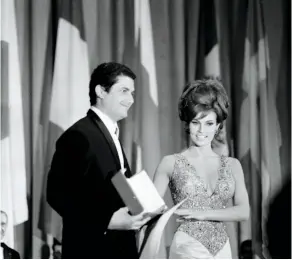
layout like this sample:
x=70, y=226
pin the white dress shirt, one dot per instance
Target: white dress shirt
x=113, y=130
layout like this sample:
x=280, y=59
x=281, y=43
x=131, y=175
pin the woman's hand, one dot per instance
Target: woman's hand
x=185, y=214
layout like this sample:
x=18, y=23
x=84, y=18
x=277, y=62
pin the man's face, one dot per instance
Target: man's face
x=4, y=221
x=119, y=99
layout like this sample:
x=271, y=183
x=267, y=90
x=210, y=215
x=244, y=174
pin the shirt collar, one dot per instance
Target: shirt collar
x=109, y=123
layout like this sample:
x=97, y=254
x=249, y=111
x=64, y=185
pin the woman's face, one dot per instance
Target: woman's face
x=203, y=130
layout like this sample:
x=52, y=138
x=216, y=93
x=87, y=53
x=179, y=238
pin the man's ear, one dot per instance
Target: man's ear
x=99, y=91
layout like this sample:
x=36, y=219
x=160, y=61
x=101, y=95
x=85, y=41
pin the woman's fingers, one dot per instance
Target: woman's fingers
x=182, y=212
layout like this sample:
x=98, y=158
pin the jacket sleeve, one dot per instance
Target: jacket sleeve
x=69, y=159
x=70, y=190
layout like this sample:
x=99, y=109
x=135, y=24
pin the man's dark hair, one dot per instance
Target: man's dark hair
x=106, y=75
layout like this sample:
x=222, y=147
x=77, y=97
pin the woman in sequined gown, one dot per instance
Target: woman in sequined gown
x=209, y=181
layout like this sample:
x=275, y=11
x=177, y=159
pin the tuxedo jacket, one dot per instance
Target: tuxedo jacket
x=9, y=253
x=79, y=188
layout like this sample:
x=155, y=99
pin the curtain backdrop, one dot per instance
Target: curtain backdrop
x=167, y=43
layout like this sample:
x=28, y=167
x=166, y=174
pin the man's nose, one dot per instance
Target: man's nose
x=131, y=99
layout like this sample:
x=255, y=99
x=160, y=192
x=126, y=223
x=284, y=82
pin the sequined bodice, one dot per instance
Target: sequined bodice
x=185, y=183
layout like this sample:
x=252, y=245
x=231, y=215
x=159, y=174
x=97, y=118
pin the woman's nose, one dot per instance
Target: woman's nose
x=201, y=128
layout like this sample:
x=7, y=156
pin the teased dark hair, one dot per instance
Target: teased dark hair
x=203, y=95
x=106, y=75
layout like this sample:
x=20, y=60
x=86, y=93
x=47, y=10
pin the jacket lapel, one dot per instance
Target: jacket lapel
x=128, y=173
x=96, y=119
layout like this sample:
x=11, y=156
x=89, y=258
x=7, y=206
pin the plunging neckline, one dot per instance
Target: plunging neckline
x=201, y=179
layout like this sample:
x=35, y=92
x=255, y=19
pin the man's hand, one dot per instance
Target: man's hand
x=122, y=220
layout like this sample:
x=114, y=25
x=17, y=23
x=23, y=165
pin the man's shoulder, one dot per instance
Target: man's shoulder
x=81, y=126
x=13, y=254
x=79, y=130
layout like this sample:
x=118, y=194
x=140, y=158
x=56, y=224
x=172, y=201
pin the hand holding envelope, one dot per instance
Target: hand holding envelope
x=122, y=220
x=141, y=197
x=139, y=193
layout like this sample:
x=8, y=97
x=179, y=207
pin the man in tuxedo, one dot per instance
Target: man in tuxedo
x=6, y=251
x=96, y=223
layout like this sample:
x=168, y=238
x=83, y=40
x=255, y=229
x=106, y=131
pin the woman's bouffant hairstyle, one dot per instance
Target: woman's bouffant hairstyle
x=203, y=96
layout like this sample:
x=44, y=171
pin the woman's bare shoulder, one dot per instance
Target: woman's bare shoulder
x=235, y=165
x=234, y=162
x=167, y=164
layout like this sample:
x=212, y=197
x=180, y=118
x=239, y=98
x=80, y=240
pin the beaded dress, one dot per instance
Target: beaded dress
x=208, y=236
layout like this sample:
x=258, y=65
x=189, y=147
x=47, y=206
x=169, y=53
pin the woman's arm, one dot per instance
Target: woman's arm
x=163, y=173
x=238, y=212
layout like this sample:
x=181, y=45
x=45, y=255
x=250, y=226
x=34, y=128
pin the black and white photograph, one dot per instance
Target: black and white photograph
x=145, y=129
